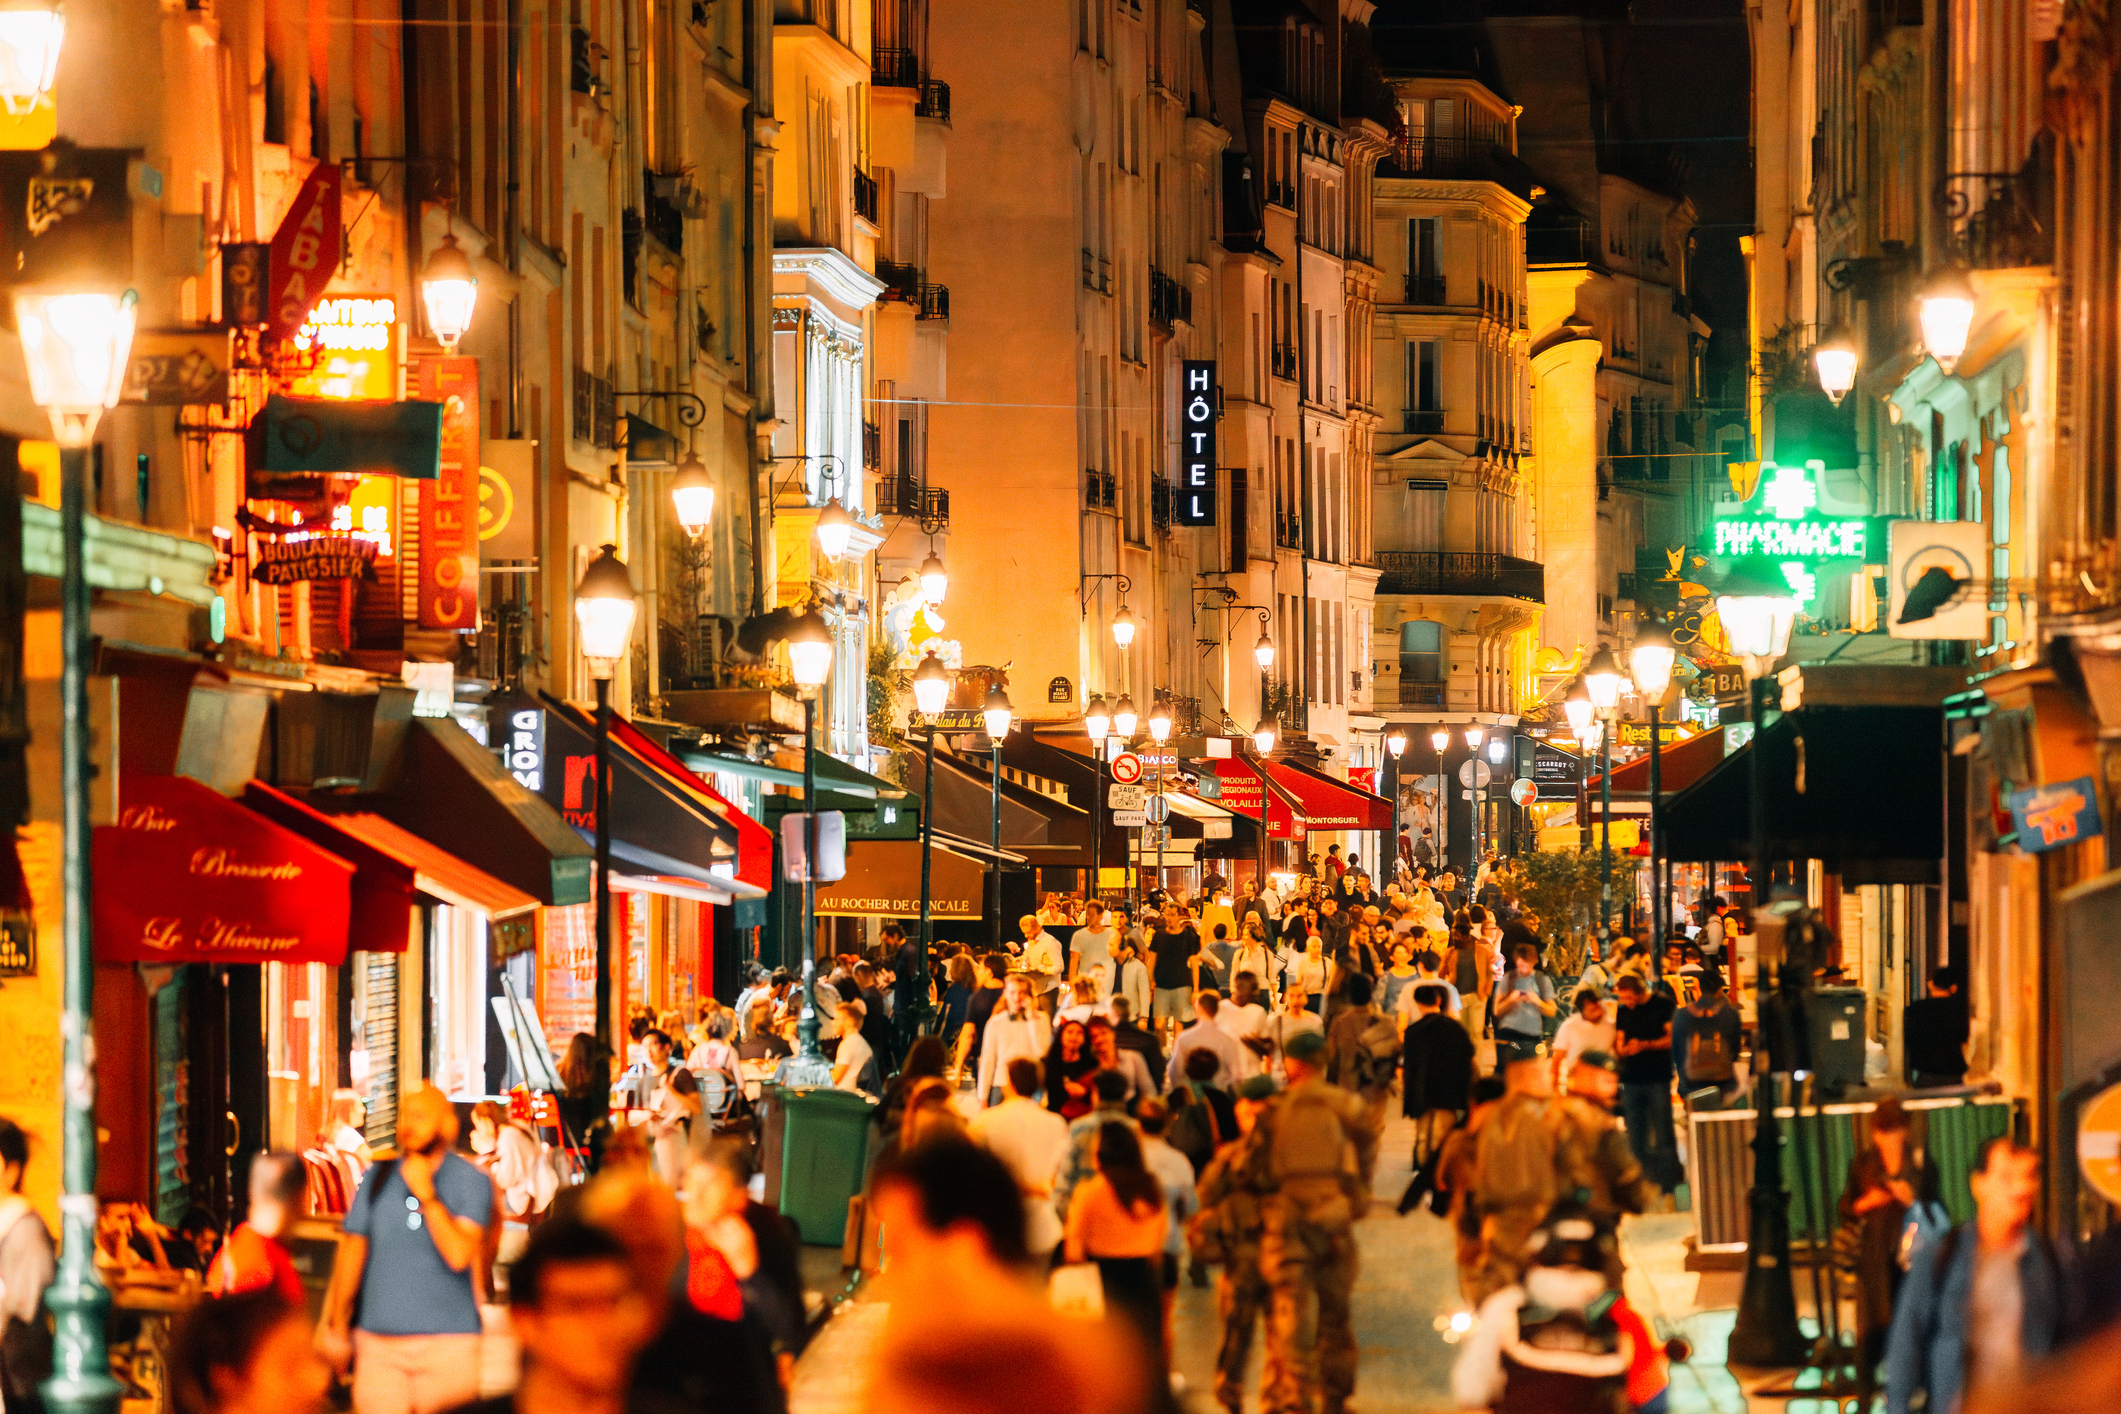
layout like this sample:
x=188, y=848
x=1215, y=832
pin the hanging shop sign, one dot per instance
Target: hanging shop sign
x=351, y=344
x=1363, y=778
x=305, y=250
x=205, y=880
x=327, y=435
x=2050, y=817
x=449, y=509
x=243, y=282
x=66, y=217
x=1196, y=434
x=505, y=500
x=1555, y=772
x=293, y=558
x=1930, y=567
x=177, y=368
x=1783, y=526
x=2099, y=1143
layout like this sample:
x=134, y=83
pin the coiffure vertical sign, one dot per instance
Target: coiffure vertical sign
x=1196, y=433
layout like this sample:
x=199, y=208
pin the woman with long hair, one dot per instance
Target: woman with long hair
x=1117, y=1220
x=1070, y=1063
x=246, y=1354
x=584, y=1100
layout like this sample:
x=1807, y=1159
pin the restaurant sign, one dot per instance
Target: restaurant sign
x=300, y=557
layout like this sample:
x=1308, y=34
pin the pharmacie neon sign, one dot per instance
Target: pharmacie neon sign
x=1786, y=530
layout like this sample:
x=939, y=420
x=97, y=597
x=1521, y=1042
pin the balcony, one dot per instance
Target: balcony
x=903, y=496
x=934, y=101
x=903, y=285
x=1169, y=301
x=1410, y=693
x=2000, y=221
x=1281, y=194
x=1285, y=361
x=1449, y=158
x=895, y=68
x=1474, y=573
x=1426, y=289
x=1163, y=505
x=872, y=446
x=1288, y=532
x=661, y=217
x=1101, y=491
x=596, y=410
x=1424, y=422
x=865, y=196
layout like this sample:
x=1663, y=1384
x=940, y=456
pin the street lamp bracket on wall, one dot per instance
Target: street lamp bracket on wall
x=692, y=409
x=1126, y=587
x=1863, y=273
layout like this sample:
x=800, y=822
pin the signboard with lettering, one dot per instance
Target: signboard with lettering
x=2050, y=817
x=243, y=278
x=177, y=368
x=1196, y=436
x=1060, y=690
x=353, y=342
x=305, y=250
x=1555, y=772
x=522, y=747
x=449, y=506
x=883, y=880
x=1787, y=529
x=66, y=217
x=506, y=500
x=298, y=557
x=1126, y=797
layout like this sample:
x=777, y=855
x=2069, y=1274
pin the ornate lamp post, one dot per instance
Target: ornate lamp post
x=30, y=36
x=931, y=692
x=810, y=664
x=1097, y=724
x=998, y=715
x=1835, y=359
x=1758, y=611
x=1947, y=315
x=449, y=287
x=1395, y=747
x=604, y=608
x=1263, y=739
x=1601, y=679
x=1651, y=661
x=76, y=346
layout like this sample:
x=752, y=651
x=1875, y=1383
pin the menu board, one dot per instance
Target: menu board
x=567, y=973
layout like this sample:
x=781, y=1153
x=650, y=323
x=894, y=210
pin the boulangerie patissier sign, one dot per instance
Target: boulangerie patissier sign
x=187, y=875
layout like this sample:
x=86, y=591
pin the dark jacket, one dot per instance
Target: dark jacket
x=1698, y=1017
x=1515, y=932
x=1927, y=1348
x=1438, y=1061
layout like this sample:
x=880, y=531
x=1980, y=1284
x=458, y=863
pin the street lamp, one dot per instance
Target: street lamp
x=1758, y=609
x=1097, y=722
x=1160, y=720
x=1651, y=659
x=1947, y=315
x=1124, y=720
x=604, y=608
x=810, y=664
x=1834, y=357
x=1264, y=735
x=1440, y=738
x=1123, y=627
x=1395, y=747
x=931, y=693
x=450, y=289
x=1396, y=742
x=1601, y=679
x=997, y=715
x=1473, y=737
x=834, y=529
x=76, y=346
x=1579, y=709
x=934, y=580
x=29, y=54
x=1263, y=652
x=692, y=495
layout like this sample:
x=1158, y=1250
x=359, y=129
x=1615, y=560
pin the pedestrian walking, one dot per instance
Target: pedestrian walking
x=1041, y=961
x=1070, y=1063
x=1523, y=1002
x=1227, y=1232
x=1514, y=1176
x=1117, y=1219
x=1206, y=1035
x=1173, y=953
x=1706, y=1033
x=1590, y=1029
x=1080, y=1158
x=247, y=1353
x=1983, y=1301
x=752, y=1237
x=413, y=1258
x=1015, y=1029
x=1093, y=949
x=1362, y=1053
x=1887, y=1179
x=1436, y=1080
x=1245, y=1019
x=1469, y=963
x=1033, y=1141
x=1594, y=1167
x=1644, y=1046
x=27, y=1263
x=1181, y=1197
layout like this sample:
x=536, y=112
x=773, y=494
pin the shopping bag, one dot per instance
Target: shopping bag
x=1077, y=1289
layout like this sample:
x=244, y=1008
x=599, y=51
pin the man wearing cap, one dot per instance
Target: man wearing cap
x=1305, y=1160
x=1592, y=1160
x=1228, y=1230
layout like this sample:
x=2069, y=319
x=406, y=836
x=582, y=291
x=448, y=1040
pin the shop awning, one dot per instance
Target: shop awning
x=884, y=881
x=1680, y=765
x=754, y=842
x=452, y=791
x=1242, y=789
x=964, y=805
x=385, y=885
x=1194, y=807
x=1860, y=789
x=1329, y=804
x=662, y=827
x=374, y=845
x=348, y=436
x=710, y=761
x=187, y=875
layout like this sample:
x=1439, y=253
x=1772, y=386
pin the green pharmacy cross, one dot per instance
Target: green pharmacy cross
x=1787, y=530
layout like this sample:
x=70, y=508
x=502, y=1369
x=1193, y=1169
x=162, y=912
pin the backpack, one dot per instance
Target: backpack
x=1192, y=1130
x=1708, y=1053
x=1515, y=1158
x=1376, y=1058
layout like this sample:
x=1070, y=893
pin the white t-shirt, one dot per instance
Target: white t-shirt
x=1577, y=1036
x=1091, y=949
x=855, y=1055
x=1238, y=1023
x=1032, y=1140
x=1042, y=958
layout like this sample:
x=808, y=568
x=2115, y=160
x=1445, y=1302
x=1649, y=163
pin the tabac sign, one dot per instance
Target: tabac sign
x=305, y=250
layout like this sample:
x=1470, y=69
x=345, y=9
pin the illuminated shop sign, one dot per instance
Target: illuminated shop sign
x=353, y=340
x=1785, y=528
x=1196, y=459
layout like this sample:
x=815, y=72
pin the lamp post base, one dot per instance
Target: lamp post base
x=1766, y=1333
x=81, y=1381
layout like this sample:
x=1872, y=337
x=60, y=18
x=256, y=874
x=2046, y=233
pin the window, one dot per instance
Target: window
x=1423, y=404
x=1421, y=651
x=1423, y=255
x=1424, y=501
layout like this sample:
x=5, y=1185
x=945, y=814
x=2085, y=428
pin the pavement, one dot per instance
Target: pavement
x=1407, y=1290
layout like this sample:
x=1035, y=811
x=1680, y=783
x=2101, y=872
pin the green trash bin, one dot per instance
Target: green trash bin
x=824, y=1152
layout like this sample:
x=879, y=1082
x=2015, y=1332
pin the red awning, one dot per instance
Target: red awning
x=1242, y=787
x=383, y=883
x=1329, y=804
x=187, y=875
x=1681, y=764
x=754, y=842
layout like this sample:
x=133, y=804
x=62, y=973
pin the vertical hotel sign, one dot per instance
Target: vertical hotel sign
x=449, y=505
x=1196, y=434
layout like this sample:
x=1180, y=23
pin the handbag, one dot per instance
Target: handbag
x=1077, y=1289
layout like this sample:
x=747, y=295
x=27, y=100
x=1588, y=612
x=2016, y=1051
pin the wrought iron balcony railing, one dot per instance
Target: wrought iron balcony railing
x=1473, y=573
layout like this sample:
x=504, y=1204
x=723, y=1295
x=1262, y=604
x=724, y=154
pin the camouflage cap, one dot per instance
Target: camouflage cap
x=1305, y=1046
x=1259, y=1087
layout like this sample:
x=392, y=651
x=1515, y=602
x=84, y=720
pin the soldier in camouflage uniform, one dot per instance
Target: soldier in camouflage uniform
x=1228, y=1230
x=1595, y=1166
x=1304, y=1160
x=1514, y=1176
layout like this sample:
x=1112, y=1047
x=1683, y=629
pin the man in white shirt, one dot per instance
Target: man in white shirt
x=1032, y=1140
x=1244, y=1020
x=1130, y=978
x=1042, y=963
x=854, y=1055
x=1017, y=1028
x=1205, y=1035
x=1590, y=1029
x=1091, y=949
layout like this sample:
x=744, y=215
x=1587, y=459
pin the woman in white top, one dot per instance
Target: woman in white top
x=1312, y=971
x=1254, y=956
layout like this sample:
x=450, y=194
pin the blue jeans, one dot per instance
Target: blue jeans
x=1647, y=1109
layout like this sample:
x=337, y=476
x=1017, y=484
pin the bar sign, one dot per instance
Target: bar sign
x=1196, y=460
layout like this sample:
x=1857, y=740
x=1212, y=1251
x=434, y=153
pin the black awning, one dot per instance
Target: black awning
x=1861, y=789
x=348, y=435
x=658, y=825
x=453, y=792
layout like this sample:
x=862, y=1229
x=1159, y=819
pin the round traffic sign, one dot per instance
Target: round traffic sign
x=1159, y=809
x=1474, y=774
x=2099, y=1143
x=1126, y=768
x=1523, y=791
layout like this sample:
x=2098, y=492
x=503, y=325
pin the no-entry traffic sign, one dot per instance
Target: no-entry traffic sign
x=1126, y=768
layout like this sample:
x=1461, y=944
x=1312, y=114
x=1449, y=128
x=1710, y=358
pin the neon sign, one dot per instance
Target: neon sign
x=1789, y=533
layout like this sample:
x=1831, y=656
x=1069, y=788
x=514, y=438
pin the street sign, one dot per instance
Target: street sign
x=1934, y=563
x=2099, y=1143
x=1474, y=774
x=1129, y=819
x=1126, y=797
x=1126, y=768
x=1159, y=809
x=1524, y=791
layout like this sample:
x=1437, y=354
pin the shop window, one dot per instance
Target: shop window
x=457, y=996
